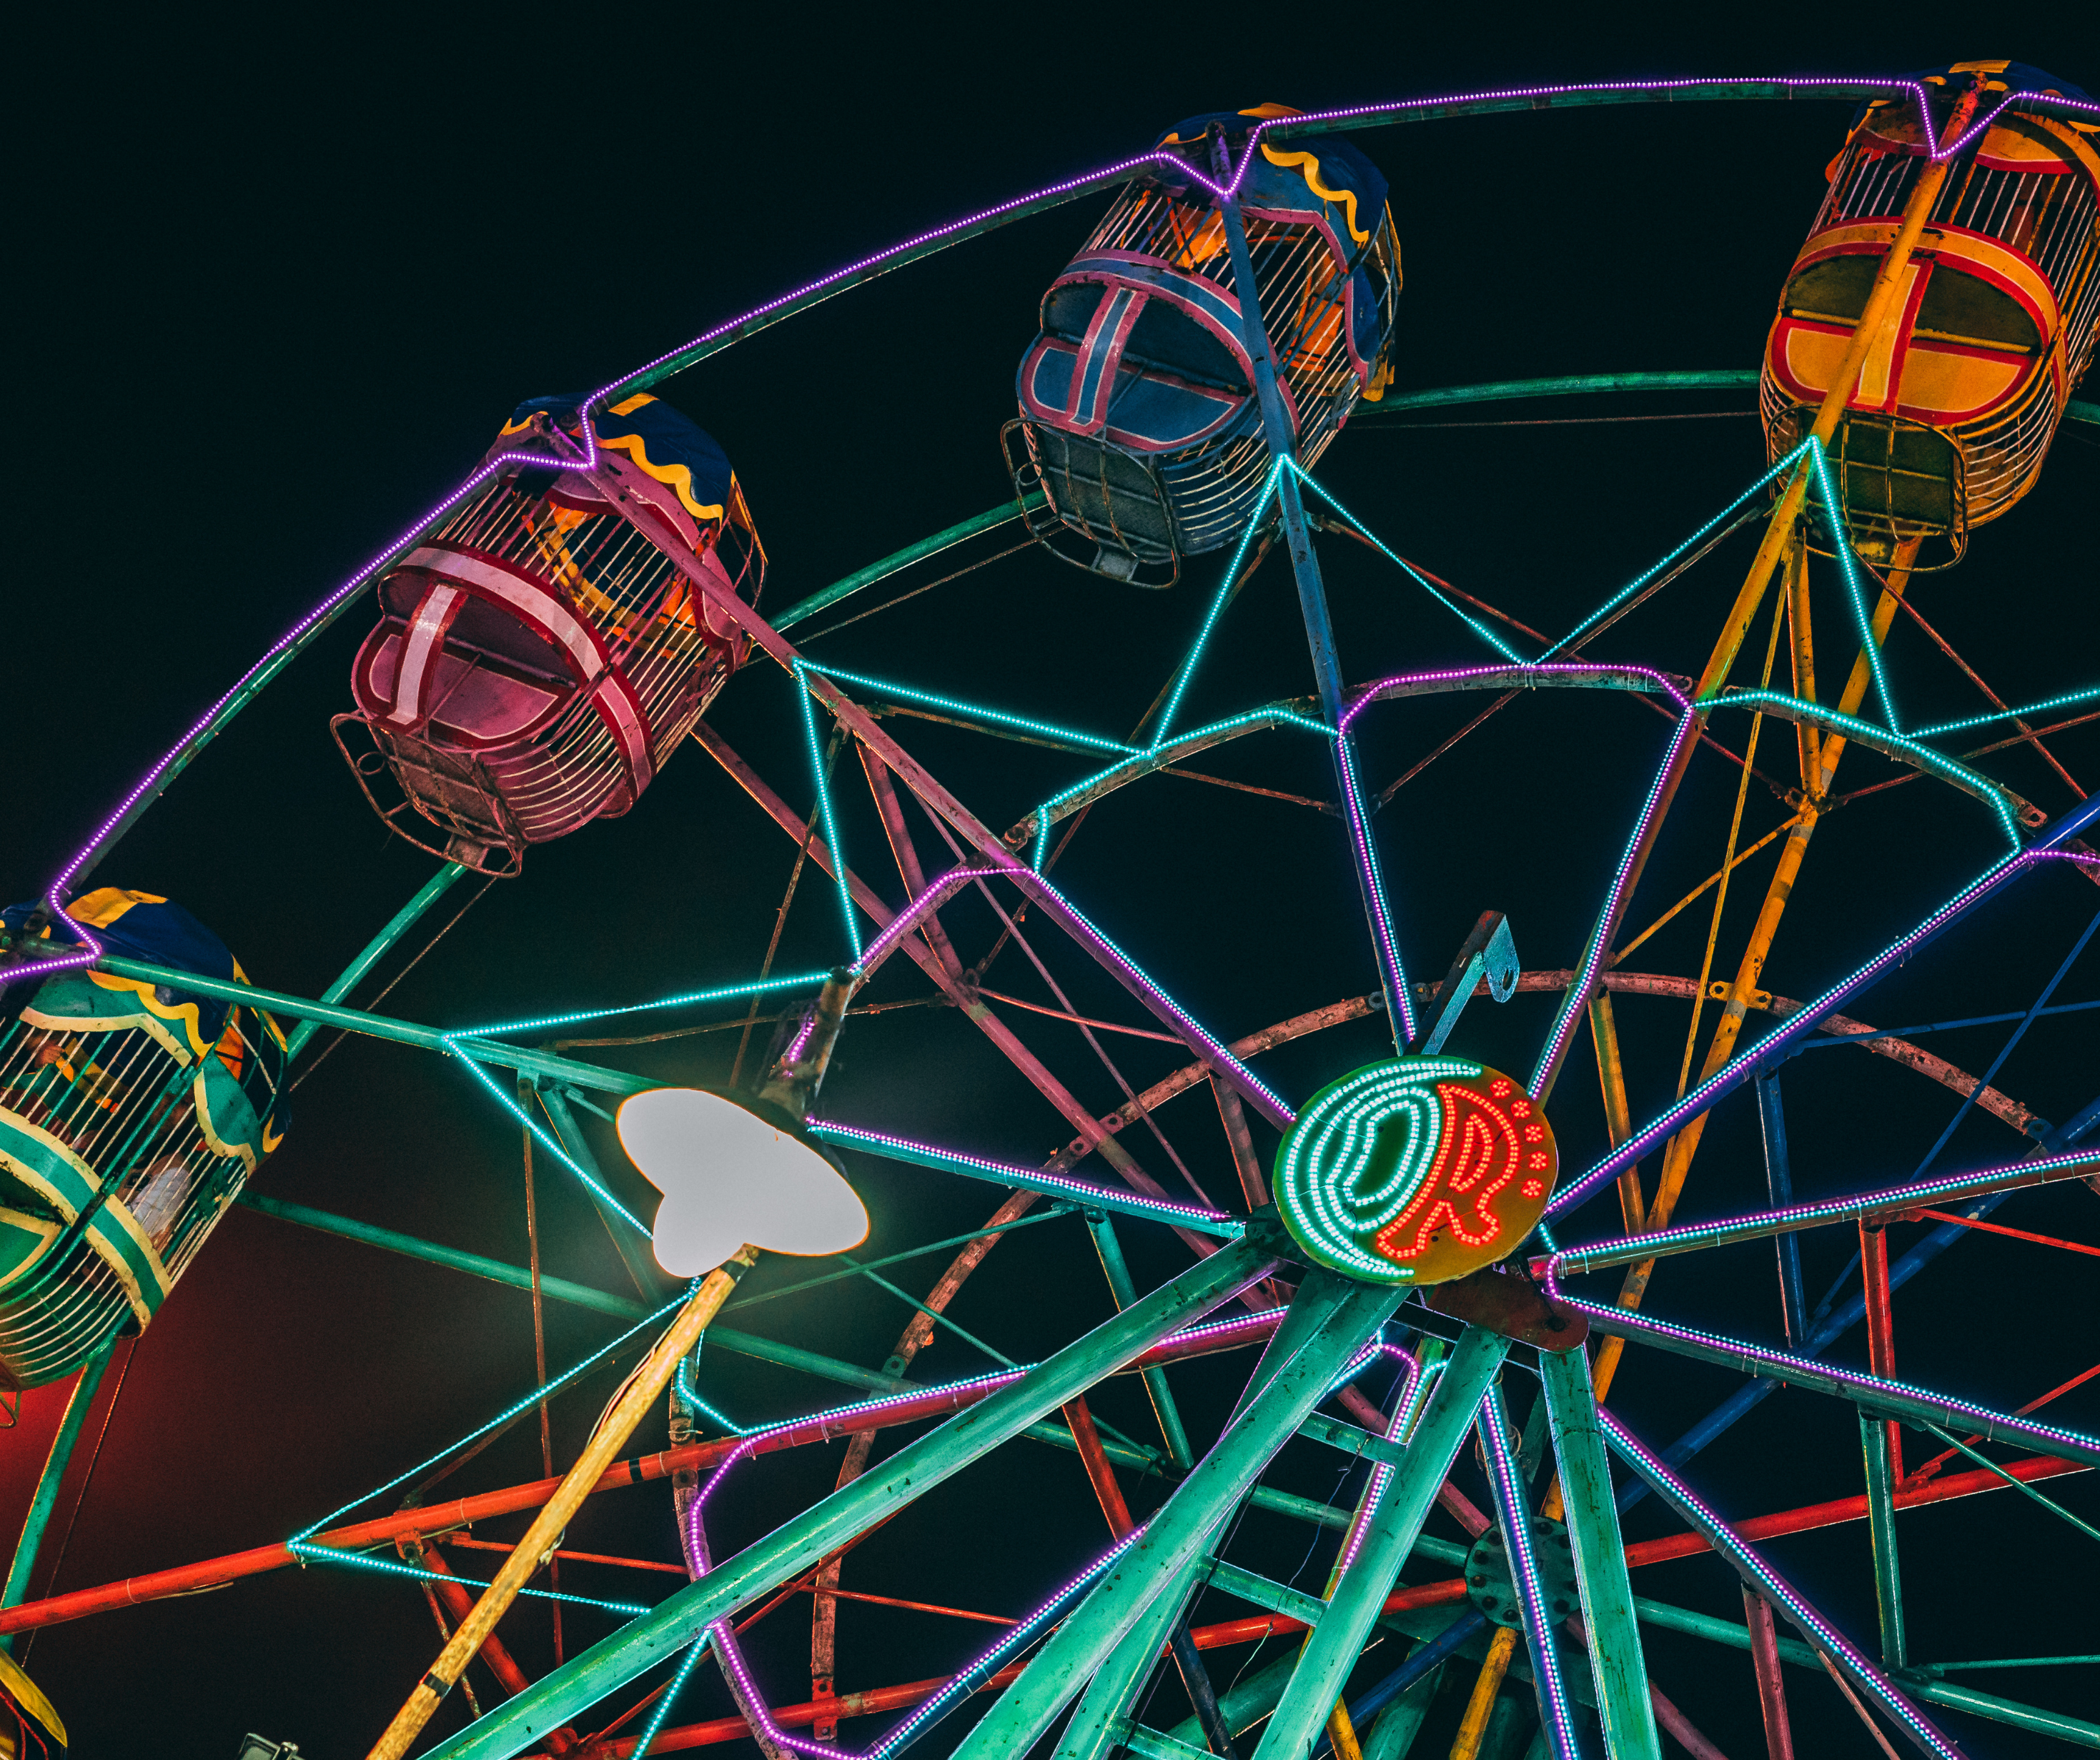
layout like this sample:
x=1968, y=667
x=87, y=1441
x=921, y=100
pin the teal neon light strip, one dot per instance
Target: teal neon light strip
x=1641, y=580
x=691, y=1396
x=1820, y=462
x=824, y=808
x=1478, y=628
x=321, y=1555
x=551, y=1146
x=1923, y=756
x=1217, y=609
x=2069, y=700
x=1144, y=761
x=691, y=998
x=500, y=1419
x=662, y=1708
x=954, y=705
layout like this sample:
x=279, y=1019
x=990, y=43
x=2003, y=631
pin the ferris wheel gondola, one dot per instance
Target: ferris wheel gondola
x=544, y=651
x=1954, y=411
x=1138, y=421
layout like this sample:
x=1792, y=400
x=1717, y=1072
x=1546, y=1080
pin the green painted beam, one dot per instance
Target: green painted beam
x=1100, y=1721
x=398, y=924
x=1328, y=1321
x=1919, y=1682
x=1164, y=1411
x=671, y=1625
x=634, y=1252
x=898, y=560
x=1600, y=1560
x=1390, y=1531
x=453, y=1258
x=1262, y=1592
x=39, y=1516
x=532, y=1062
x=718, y=1337
x=1577, y=385
x=1882, y=1533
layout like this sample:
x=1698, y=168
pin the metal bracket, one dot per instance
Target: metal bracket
x=1351, y=1440
x=1489, y=951
x=1293, y=1603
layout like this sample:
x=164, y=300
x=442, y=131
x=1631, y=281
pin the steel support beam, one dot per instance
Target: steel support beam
x=1771, y=1690
x=46, y=1496
x=905, y=1475
x=1276, y=430
x=1600, y=1560
x=1779, y=1187
x=1125, y=1291
x=1881, y=1530
x=398, y=924
x=1329, y=1319
x=1389, y=1529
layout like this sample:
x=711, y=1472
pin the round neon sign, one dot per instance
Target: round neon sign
x=1416, y=1171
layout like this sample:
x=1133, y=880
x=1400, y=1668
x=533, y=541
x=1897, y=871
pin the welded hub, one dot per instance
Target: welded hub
x=1491, y=1585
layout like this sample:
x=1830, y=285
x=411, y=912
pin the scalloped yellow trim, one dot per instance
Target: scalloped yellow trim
x=1307, y=167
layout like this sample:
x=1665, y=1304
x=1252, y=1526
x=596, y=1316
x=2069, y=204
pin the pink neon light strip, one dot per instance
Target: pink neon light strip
x=1750, y=1562
x=853, y=270
x=1850, y=1383
x=936, y=893
x=1757, y=1224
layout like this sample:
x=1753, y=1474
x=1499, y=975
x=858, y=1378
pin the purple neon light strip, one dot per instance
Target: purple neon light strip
x=723, y=1636
x=1750, y=1564
x=1574, y=1260
x=1608, y=919
x=1031, y=881
x=1403, y=1420
x=1848, y=1383
x=1739, y=1069
x=1558, y=1716
x=290, y=638
x=1161, y=1209
x=1917, y=91
x=848, y=273
x=1373, y=883
x=936, y=893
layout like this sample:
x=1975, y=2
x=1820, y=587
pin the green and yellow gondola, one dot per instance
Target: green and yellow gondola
x=131, y=1114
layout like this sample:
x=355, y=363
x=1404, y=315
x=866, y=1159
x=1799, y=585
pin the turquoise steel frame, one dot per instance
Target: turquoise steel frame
x=1391, y=1528
x=1330, y=1319
x=1615, y=1661
x=659, y=1634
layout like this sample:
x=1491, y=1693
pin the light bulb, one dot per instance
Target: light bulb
x=729, y=1177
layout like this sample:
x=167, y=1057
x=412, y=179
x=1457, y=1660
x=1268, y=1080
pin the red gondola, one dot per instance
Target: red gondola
x=541, y=654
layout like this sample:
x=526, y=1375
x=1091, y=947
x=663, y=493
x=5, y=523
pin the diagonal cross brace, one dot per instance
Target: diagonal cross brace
x=912, y=1470
x=1391, y=1528
x=1335, y=1317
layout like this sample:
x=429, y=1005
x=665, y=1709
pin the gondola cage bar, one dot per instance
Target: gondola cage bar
x=1955, y=409
x=541, y=654
x=1138, y=418
x=131, y=1114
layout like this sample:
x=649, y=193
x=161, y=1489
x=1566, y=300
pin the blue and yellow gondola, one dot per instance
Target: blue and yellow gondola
x=1139, y=423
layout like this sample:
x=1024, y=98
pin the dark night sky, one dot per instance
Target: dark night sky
x=283, y=278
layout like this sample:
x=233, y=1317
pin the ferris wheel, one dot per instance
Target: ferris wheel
x=1417, y=1283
